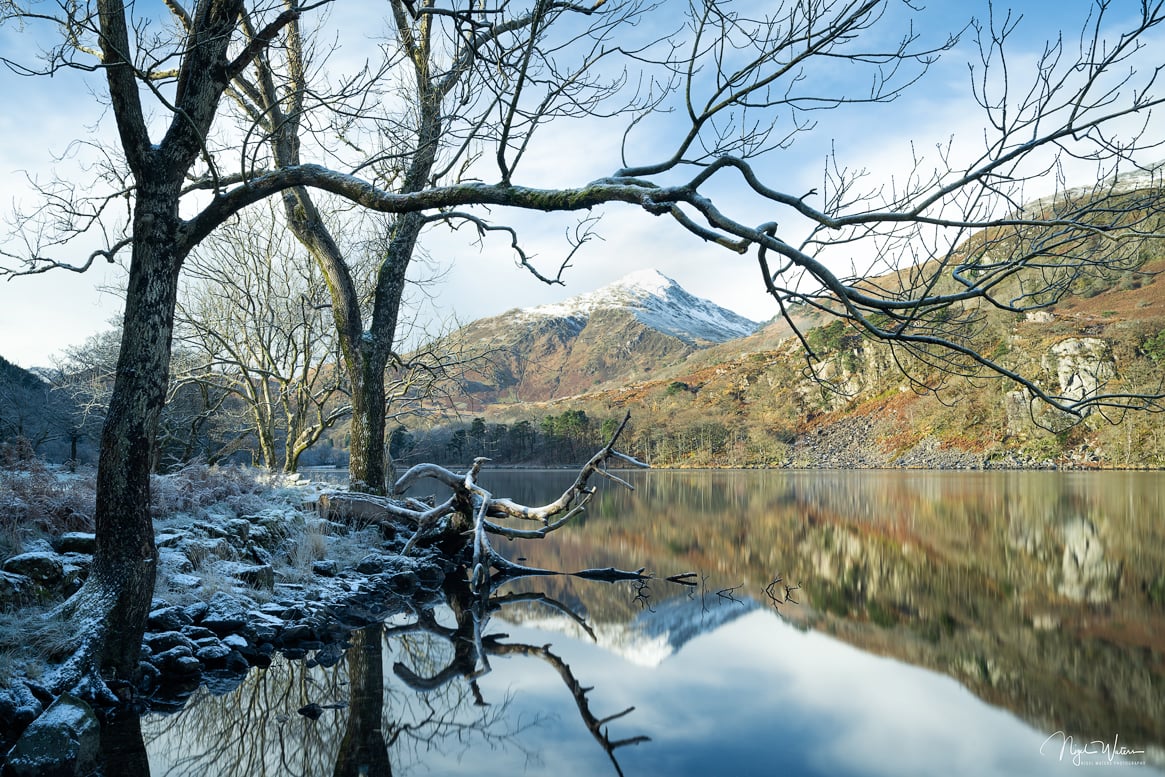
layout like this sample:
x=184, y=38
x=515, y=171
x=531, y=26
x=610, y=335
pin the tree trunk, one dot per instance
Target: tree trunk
x=112, y=606
x=366, y=467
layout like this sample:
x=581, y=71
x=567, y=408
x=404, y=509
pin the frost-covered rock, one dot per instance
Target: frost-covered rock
x=44, y=568
x=77, y=542
x=225, y=614
x=65, y=740
x=15, y=591
x=18, y=707
x=171, y=618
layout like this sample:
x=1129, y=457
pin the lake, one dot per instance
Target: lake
x=986, y=623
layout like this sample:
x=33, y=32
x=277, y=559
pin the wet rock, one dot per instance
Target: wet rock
x=169, y=619
x=262, y=628
x=65, y=740
x=178, y=660
x=77, y=542
x=45, y=568
x=404, y=582
x=329, y=655
x=311, y=711
x=216, y=655
x=297, y=634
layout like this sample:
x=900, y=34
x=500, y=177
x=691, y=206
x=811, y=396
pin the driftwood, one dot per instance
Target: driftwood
x=481, y=512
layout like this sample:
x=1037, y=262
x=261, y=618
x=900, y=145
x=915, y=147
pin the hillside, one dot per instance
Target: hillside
x=629, y=331
x=753, y=401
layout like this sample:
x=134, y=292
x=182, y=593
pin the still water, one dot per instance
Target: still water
x=943, y=624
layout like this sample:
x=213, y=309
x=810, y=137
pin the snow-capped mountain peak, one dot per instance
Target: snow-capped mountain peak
x=658, y=302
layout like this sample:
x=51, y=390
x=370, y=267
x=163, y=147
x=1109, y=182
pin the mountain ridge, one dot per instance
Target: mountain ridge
x=623, y=332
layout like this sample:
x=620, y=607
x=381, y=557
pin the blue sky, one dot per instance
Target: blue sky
x=40, y=316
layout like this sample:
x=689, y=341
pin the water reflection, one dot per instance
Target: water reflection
x=348, y=719
x=964, y=624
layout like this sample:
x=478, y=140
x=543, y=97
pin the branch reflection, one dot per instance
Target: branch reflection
x=350, y=717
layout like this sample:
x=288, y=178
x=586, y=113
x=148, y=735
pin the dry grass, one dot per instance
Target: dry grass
x=36, y=501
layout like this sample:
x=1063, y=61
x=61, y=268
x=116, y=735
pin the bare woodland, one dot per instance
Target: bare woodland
x=223, y=105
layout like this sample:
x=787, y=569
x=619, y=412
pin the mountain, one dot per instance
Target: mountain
x=623, y=333
x=657, y=302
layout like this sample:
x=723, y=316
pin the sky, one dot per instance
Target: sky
x=42, y=315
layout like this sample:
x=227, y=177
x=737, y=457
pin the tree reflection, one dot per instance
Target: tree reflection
x=473, y=648
x=123, y=751
x=369, y=722
x=364, y=749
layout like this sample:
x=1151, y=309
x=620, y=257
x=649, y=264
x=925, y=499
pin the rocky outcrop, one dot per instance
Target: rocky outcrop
x=1081, y=365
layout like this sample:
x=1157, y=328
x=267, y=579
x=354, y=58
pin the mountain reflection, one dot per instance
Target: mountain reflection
x=1041, y=592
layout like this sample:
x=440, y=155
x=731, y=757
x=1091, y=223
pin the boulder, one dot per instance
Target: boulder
x=170, y=619
x=44, y=568
x=225, y=614
x=63, y=742
x=77, y=542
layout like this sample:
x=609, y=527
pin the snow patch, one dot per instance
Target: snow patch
x=656, y=301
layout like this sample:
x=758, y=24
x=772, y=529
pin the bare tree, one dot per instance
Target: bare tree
x=740, y=84
x=256, y=318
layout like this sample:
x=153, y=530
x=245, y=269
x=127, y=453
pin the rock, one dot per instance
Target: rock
x=405, y=582
x=239, y=529
x=179, y=661
x=236, y=641
x=46, y=568
x=262, y=628
x=298, y=633
x=160, y=643
x=214, y=655
x=174, y=561
x=325, y=568
x=18, y=707
x=225, y=614
x=77, y=542
x=170, y=619
x=370, y=564
x=197, y=610
x=168, y=540
x=311, y=711
x=65, y=740
x=15, y=591
x=261, y=576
